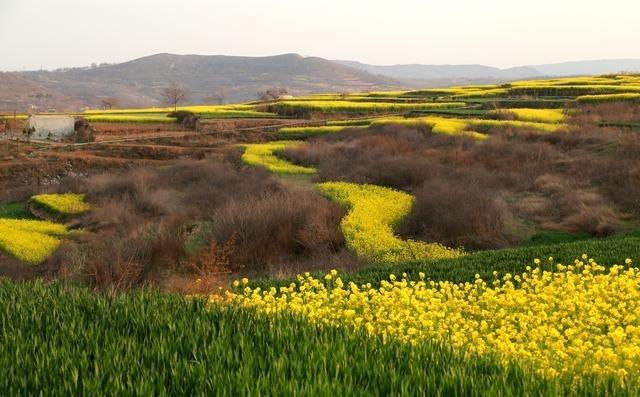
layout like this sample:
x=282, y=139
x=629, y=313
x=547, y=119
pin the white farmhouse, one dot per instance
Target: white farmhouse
x=50, y=127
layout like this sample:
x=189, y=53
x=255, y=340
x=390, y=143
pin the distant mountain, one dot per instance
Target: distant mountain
x=445, y=72
x=589, y=67
x=480, y=73
x=138, y=82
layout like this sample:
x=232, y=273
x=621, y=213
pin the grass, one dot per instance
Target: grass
x=463, y=112
x=15, y=211
x=264, y=155
x=634, y=125
x=59, y=340
x=62, y=204
x=373, y=212
x=355, y=122
x=307, y=132
x=513, y=260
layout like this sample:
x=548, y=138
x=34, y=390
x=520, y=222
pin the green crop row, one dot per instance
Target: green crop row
x=59, y=340
x=608, y=252
x=307, y=132
x=587, y=99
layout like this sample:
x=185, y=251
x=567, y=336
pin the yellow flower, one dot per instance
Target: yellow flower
x=580, y=321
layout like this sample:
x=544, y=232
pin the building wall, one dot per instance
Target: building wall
x=51, y=127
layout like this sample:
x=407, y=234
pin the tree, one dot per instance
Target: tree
x=272, y=94
x=173, y=94
x=220, y=96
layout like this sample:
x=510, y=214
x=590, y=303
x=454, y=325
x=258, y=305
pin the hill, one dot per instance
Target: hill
x=481, y=73
x=138, y=82
x=19, y=93
x=444, y=72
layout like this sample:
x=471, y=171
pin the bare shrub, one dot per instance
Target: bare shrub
x=289, y=223
x=579, y=181
x=141, y=218
x=210, y=264
x=462, y=212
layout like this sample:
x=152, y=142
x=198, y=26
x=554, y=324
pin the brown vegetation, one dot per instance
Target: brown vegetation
x=143, y=219
x=497, y=192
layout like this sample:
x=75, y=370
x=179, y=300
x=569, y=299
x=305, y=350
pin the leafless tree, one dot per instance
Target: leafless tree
x=173, y=94
x=108, y=103
x=220, y=96
x=272, y=94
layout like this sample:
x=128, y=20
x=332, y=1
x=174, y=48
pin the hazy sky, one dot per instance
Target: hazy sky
x=58, y=33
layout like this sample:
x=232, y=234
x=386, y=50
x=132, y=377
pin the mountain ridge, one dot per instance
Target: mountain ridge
x=138, y=82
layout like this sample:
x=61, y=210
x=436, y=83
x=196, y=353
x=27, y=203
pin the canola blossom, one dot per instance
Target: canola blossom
x=474, y=128
x=129, y=118
x=30, y=240
x=346, y=106
x=589, y=99
x=373, y=212
x=552, y=116
x=581, y=320
x=64, y=204
x=263, y=154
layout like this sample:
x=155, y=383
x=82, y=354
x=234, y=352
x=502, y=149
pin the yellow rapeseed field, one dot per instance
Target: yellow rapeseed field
x=373, y=212
x=474, y=128
x=553, y=116
x=579, y=320
x=263, y=154
x=30, y=240
x=64, y=204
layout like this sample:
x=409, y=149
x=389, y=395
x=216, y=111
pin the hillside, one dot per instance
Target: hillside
x=481, y=73
x=137, y=82
x=19, y=93
x=444, y=72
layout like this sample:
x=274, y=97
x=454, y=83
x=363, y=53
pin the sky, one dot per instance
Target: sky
x=49, y=34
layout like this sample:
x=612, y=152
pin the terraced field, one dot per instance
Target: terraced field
x=554, y=313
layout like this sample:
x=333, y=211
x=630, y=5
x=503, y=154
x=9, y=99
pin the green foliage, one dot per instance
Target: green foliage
x=59, y=340
x=307, y=132
x=15, y=211
x=355, y=122
x=608, y=251
x=514, y=260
